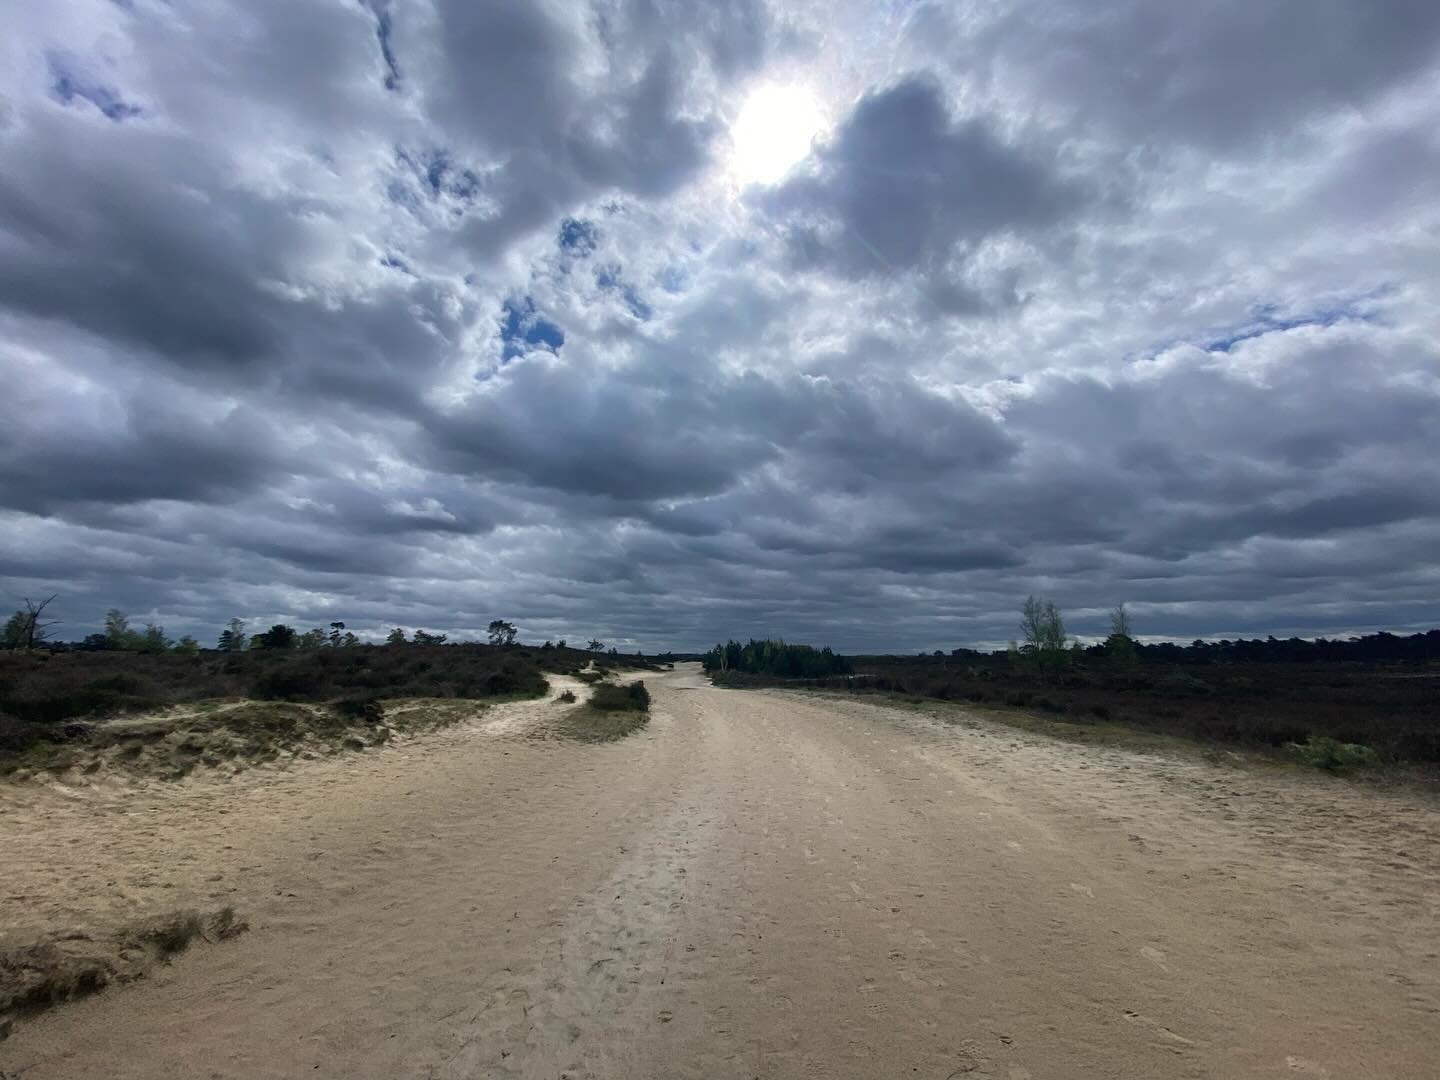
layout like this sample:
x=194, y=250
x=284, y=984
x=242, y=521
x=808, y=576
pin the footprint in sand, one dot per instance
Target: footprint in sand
x=1083, y=890
x=1156, y=957
x=1159, y=1029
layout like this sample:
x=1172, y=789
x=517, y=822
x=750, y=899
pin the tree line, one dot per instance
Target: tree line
x=1045, y=648
x=29, y=628
x=770, y=657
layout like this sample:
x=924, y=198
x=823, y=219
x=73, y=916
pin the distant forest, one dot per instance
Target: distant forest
x=1371, y=648
x=775, y=658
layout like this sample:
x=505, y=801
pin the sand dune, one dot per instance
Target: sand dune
x=756, y=885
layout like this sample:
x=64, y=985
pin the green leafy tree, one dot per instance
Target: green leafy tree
x=395, y=637
x=422, y=638
x=152, y=639
x=16, y=628
x=595, y=645
x=336, y=631
x=117, y=630
x=311, y=639
x=187, y=646
x=232, y=638
x=501, y=632
x=1043, y=637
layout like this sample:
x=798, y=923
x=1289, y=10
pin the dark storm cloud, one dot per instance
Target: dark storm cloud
x=551, y=425
x=902, y=183
x=429, y=312
x=150, y=452
x=109, y=231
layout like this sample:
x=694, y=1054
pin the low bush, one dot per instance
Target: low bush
x=366, y=708
x=631, y=698
x=568, y=696
x=1332, y=755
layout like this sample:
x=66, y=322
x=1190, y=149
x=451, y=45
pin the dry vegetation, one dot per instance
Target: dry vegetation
x=611, y=712
x=1392, y=711
x=165, y=715
x=62, y=967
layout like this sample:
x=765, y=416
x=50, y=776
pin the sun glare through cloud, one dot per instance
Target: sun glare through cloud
x=773, y=132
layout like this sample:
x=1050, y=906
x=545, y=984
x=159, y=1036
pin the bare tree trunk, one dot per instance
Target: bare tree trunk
x=34, y=630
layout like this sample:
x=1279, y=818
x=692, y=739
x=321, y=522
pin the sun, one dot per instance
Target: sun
x=773, y=132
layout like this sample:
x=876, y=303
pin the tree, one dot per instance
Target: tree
x=28, y=627
x=502, y=632
x=1043, y=631
x=348, y=639
x=152, y=639
x=561, y=644
x=232, y=638
x=1120, y=622
x=15, y=628
x=187, y=646
x=278, y=636
x=335, y=629
x=595, y=645
x=117, y=629
x=422, y=638
x=311, y=639
x=395, y=637
x=1120, y=645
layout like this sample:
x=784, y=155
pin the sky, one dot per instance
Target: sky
x=661, y=322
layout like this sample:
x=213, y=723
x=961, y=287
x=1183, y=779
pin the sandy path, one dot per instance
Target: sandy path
x=771, y=885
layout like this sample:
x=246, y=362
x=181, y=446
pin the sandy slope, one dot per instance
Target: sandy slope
x=758, y=885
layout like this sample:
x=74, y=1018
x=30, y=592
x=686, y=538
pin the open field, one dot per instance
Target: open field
x=756, y=883
x=1392, y=709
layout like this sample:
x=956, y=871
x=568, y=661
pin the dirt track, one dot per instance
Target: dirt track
x=759, y=885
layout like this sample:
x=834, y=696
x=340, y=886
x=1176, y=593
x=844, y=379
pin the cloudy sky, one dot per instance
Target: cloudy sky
x=666, y=321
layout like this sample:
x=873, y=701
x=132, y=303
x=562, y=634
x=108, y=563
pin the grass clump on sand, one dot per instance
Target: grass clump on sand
x=60, y=968
x=611, y=713
x=1332, y=755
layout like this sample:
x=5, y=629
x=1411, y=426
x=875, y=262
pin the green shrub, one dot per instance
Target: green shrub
x=567, y=697
x=1323, y=752
x=633, y=698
